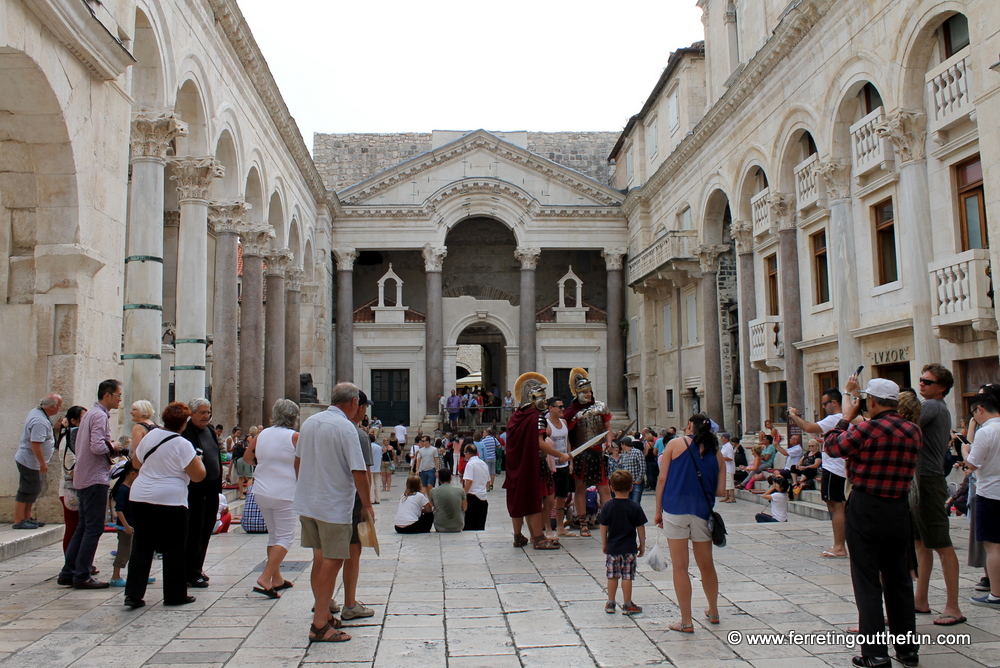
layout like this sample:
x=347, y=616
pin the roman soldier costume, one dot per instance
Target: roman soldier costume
x=587, y=419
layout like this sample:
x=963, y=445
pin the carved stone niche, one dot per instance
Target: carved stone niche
x=390, y=314
x=576, y=314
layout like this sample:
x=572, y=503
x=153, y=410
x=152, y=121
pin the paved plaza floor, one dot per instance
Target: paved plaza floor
x=471, y=600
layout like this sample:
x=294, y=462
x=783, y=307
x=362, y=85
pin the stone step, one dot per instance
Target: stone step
x=815, y=510
x=15, y=542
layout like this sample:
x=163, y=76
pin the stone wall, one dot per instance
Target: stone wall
x=346, y=159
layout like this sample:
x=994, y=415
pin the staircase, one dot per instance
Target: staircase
x=809, y=503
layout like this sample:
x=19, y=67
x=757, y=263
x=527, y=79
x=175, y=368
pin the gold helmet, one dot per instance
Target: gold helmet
x=530, y=389
x=578, y=381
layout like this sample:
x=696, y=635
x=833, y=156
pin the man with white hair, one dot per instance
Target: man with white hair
x=203, y=497
x=32, y=457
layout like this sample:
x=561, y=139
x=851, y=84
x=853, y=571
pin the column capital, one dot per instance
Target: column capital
x=836, y=173
x=256, y=239
x=907, y=131
x=345, y=258
x=227, y=216
x=613, y=258
x=434, y=257
x=708, y=256
x=152, y=131
x=528, y=257
x=741, y=232
x=194, y=175
x=277, y=260
x=293, y=279
x=782, y=207
x=171, y=218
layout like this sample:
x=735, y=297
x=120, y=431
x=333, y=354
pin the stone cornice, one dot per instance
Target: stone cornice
x=480, y=139
x=236, y=30
x=790, y=30
x=423, y=213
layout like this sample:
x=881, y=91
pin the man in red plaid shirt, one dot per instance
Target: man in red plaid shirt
x=881, y=456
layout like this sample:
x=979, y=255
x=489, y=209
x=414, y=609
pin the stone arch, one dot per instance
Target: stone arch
x=276, y=219
x=308, y=263
x=191, y=107
x=479, y=246
x=294, y=243
x=149, y=86
x=793, y=145
x=715, y=224
x=227, y=153
x=753, y=166
x=509, y=335
x=915, y=48
x=842, y=106
x=253, y=194
x=481, y=198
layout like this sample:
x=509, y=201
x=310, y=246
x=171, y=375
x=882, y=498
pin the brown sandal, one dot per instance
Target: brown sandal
x=322, y=635
x=520, y=540
x=545, y=544
x=584, y=530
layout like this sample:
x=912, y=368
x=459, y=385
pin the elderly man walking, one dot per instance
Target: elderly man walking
x=203, y=496
x=32, y=459
x=332, y=472
x=91, y=474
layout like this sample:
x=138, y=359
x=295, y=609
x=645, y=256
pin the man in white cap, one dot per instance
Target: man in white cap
x=882, y=457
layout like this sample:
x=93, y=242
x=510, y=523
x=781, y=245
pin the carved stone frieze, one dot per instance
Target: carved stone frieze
x=194, y=176
x=836, y=174
x=434, y=257
x=528, y=257
x=613, y=258
x=906, y=130
x=345, y=258
x=152, y=131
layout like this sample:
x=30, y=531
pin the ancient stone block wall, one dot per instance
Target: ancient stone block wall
x=586, y=152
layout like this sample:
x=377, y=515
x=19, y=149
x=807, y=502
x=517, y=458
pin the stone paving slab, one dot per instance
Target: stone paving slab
x=470, y=600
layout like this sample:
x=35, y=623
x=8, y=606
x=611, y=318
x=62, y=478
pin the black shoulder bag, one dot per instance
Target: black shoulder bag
x=168, y=438
x=716, y=526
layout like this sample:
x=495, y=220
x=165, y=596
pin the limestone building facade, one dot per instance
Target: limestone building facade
x=813, y=187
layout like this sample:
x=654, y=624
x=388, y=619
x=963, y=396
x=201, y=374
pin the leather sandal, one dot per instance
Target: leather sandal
x=327, y=634
x=545, y=544
x=584, y=530
x=520, y=540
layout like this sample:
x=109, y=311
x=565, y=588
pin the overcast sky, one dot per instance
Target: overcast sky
x=537, y=65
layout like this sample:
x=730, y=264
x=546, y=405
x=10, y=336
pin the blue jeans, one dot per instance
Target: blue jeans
x=636, y=493
x=764, y=517
x=427, y=477
x=83, y=545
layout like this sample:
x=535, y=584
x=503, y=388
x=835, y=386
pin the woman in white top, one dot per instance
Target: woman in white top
x=167, y=462
x=414, y=513
x=273, y=455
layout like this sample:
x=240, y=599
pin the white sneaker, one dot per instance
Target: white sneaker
x=359, y=609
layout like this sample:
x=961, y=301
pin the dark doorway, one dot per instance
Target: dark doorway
x=898, y=373
x=391, y=395
x=560, y=384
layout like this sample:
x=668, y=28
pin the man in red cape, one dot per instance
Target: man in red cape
x=524, y=453
x=586, y=418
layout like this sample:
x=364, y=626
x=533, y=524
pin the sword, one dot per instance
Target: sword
x=593, y=441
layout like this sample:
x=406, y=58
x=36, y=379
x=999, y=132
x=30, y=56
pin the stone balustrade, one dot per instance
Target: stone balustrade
x=962, y=295
x=808, y=192
x=675, y=244
x=869, y=151
x=949, y=86
x=766, y=345
x=761, y=214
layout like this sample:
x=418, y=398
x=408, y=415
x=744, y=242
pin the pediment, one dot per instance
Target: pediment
x=480, y=161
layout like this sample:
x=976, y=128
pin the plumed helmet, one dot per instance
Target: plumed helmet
x=529, y=386
x=578, y=381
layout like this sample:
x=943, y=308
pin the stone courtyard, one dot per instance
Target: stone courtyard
x=469, y=600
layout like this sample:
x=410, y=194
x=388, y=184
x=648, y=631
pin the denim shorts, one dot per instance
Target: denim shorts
x=427, y=477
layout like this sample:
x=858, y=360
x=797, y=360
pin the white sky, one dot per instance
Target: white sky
x=537, y=65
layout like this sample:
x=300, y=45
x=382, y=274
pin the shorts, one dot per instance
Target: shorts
x=686, y=526
x=832, y=487
x=124, y=551
x=730, y=482
x=987, y=519
x=561, y=479
x=930, y=518
x=621, y=566
x=427, y=477
x=333, y=540
x=491, y=464
x=29, y=485
x=386, y=467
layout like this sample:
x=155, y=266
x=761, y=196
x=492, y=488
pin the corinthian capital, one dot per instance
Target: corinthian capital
x=434, y=257
x=742, y=233
x=907, y=132
x=613, y=258
x=153, y=130
x=256, y=239
x=782, y=207
x=227, y=215
x=345, y=258
x=708, y=256
x=194, y=176
x=277, y=260
x=528, y=257
x=836, y=174
x=293, y=278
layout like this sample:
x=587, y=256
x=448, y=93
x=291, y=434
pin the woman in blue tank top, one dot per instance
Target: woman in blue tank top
x=683, y=506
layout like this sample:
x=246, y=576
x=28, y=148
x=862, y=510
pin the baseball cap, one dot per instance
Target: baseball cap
x=880, y=388
x=363, y=399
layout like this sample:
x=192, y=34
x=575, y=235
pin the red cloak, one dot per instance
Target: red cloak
x=523, y=471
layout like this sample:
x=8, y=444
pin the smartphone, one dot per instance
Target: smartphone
x=857, y=372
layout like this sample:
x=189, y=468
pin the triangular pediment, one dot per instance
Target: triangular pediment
x=482, y=157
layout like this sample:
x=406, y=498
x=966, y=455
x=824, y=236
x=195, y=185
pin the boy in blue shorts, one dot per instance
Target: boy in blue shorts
x=621, y=518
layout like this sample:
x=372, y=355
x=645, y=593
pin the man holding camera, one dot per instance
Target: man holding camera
x=882, y=459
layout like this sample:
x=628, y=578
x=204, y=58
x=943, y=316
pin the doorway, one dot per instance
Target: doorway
x=898, y=373
x=391, y=396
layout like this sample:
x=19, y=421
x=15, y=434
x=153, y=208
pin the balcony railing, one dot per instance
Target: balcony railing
x=760, y=213
x=949, y=87
x=869, y=151
x=962, y=295
x=675, y=244
x=807, y=188
x=766, y=345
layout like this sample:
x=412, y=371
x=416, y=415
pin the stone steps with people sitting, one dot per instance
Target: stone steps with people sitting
x=808, y=504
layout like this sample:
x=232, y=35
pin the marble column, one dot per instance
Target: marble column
x=151, y=134
x=193, y=177
x=277, y=261
x=742, y=233
x=345, y=314
x=256, y=240
x=293, y=356
x=529, y=261
x=843, y=271
x=708, y=260
x=228, y=217
x=783, y=209
x=434, y=327
x=613, y=258
x=907, y=131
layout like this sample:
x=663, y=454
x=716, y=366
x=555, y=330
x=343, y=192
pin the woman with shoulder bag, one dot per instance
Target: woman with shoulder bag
x=67, y=493
x=692, y=474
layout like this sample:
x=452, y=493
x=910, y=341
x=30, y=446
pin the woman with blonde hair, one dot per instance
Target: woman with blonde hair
x=142, y=413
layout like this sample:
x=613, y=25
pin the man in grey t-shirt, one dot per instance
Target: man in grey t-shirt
x=449, y=505
x=930, y=517
x=32, y=457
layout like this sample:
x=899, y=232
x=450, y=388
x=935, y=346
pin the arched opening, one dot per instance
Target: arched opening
x=276, y=218
x=147, y=73
x=191, y=109
x=228, y=187
x=308, y=265
x=480, y=261
x=752, y=193
x=293, y=243
x=854, y=135
x=482, y=366
x=254, y=196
